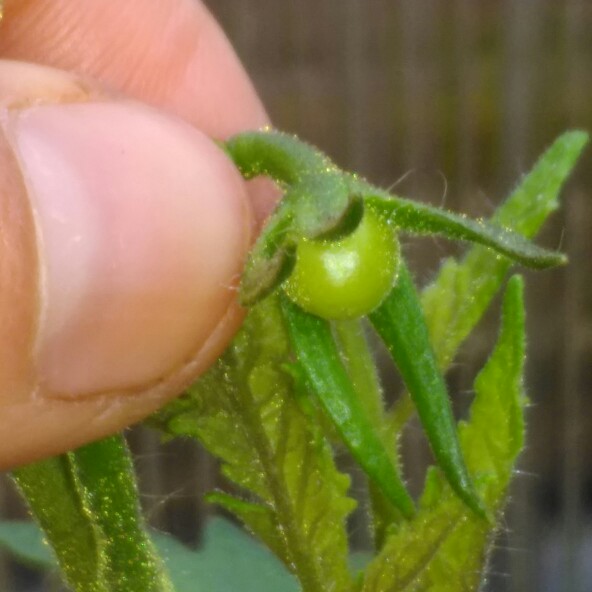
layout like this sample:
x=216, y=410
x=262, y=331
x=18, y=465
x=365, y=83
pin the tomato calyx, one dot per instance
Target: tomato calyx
x=321, y=201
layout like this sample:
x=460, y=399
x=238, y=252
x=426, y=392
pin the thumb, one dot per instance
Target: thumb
x=124, y=232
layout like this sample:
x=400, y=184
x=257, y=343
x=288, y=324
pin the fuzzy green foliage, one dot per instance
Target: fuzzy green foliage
x=453, y=306
x=248, y=411
x=444, y=547
x=318, y=198
x=455, y=302
x=261, y=412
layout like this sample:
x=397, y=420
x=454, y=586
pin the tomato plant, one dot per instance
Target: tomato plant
x=302, y=358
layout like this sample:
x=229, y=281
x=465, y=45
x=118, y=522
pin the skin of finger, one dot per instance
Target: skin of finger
x=33, y=425
x=168, y=53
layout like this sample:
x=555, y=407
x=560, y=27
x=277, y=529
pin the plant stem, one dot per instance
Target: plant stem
x=364, y=375
x=361, y=368
x=284, y=158
x=86, y=503
x=106, y=472
x=287, y=526
x=57, y=502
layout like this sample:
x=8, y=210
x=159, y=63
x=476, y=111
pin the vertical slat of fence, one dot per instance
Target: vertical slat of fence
x=571, y=396
x=148, y=453
x=295, y=24
x=417, y=29
x=466, y=84
x=244, y=27
x=577, y=37
x=522, y=20
x=205, y=475
x=187, y=471
x=357, y=16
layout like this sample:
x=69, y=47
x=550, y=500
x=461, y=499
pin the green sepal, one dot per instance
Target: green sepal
x=317, y=353
x=321, y=201
x=280, y=156
x=317, y=197
x=400, y=322
x=419, y=218
x=268, y=265
x=316, y=204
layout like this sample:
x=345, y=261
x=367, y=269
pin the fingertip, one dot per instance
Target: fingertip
x=171, y=54
x=142, y=228
x=129, y=229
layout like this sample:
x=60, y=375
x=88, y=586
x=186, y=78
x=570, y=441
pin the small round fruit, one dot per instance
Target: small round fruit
x=347, y=278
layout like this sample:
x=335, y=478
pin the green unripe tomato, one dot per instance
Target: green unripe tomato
x=347, y=278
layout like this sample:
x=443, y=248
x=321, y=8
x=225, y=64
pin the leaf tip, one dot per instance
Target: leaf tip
x=578, y=138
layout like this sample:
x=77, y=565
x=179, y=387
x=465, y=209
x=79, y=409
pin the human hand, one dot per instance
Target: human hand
x=124, y=228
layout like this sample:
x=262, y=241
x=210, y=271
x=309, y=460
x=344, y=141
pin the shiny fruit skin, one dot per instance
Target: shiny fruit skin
x=347, y=278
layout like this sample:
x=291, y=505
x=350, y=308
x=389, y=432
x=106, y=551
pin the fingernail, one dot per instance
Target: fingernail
x=142, y=227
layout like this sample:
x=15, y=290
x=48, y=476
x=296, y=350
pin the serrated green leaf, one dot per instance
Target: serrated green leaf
x=444, y=548
x=455, y=302
x=321, y=362
x=247, y=412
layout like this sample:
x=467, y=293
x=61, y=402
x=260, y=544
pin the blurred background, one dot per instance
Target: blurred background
x=448, y=102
